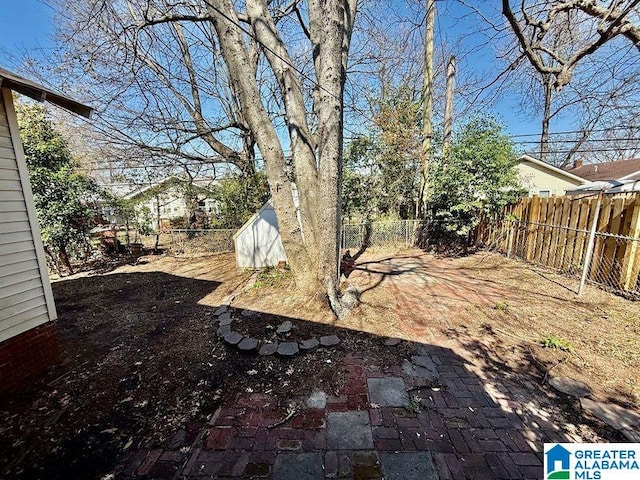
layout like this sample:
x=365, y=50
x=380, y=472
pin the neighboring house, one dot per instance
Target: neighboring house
x=613, y=177
x=169, y=201
x=545, y=180
x=28, y=340
x=257, y=242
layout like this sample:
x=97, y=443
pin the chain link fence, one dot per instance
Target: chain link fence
x=186, y=241
x=604, y=259
x=398, y=233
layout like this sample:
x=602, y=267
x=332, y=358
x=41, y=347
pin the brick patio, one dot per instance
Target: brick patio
x=460, y=425
x=442, y=413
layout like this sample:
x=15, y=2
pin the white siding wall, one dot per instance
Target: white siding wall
x=25, y=293
x=258, y=242
x=537, y=179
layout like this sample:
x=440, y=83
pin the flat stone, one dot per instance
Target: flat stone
x=268, y=349
x=284, y=327
x=329, y=340
x=223, y=331
x=388, y=392
x=613, y=415
x=248, y=344
x=310, y=344
x=288, y=349
x=298, y=466
x=225, y=319
x=349, y=431
x=220, y=310
x=408, y=466
x=392, y=342
x=317, y=399
x=232, y=338
x=570, y=386
x=247, y=313
x=416, y=371
x=366, y=465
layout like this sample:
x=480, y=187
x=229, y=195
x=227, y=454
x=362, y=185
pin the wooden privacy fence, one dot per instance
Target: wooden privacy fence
x=597, y=236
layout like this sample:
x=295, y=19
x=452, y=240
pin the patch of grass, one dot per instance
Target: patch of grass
x=501, y=306
x=414, y=405
x=557, y=343
x=270, y=276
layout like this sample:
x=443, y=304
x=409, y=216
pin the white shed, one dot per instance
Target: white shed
x=258, y=242
x=28, y=341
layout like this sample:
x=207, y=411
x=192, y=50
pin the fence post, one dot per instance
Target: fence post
x=589, y=254
x=631, y=262
x=510, y=238
x=406, y=233
x=532, y=227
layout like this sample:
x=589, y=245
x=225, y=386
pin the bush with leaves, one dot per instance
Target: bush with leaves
x=474, y=177
x=380, y=176
x=62, y=196
x=238, y=198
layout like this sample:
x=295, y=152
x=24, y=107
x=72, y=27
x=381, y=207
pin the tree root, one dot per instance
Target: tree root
x=342, y=304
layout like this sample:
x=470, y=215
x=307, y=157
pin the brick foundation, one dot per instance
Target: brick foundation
x=26, y=356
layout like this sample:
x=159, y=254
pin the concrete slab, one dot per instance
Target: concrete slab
x=613, y=415
x=408, y=466
x=349, y=431
x=298, y=466
x=388, y=392
x=570, y=386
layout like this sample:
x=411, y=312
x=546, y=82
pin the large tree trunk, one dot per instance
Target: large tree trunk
x=312, y=239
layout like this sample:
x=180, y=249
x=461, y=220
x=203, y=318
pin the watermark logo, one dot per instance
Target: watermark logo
x=591, y=461
x=557, y=462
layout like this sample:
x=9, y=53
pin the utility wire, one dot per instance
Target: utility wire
x=587, y=141
x=593, y=150
x=575, y=131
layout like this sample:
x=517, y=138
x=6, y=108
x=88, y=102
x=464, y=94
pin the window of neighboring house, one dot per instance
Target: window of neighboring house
x=545, y=193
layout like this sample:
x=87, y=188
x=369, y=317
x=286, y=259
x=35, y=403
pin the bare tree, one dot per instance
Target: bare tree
x=597, y=24
x=158, y=85
x=583, y=58
x=215, y=77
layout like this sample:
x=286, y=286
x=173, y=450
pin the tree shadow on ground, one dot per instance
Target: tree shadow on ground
x=143, y=370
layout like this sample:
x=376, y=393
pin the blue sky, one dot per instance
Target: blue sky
x=27, y=26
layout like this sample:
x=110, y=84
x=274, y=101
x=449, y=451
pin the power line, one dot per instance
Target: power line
x=520, y=142
x=594, y=150
x=575, y=131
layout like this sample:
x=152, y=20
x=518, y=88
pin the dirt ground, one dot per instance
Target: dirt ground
x=504, y=311
x=140, y=359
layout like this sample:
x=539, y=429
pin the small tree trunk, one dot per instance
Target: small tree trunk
x=64, y=259
x=157, y=244
x=546, y=117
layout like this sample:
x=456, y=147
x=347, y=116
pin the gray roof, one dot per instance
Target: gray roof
x=40, y=93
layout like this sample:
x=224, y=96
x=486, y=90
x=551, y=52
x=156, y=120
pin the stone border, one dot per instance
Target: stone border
x=247, y=344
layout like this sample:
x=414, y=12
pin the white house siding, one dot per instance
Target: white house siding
x=538, y=180
x=25, y=293
x=258, y=242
